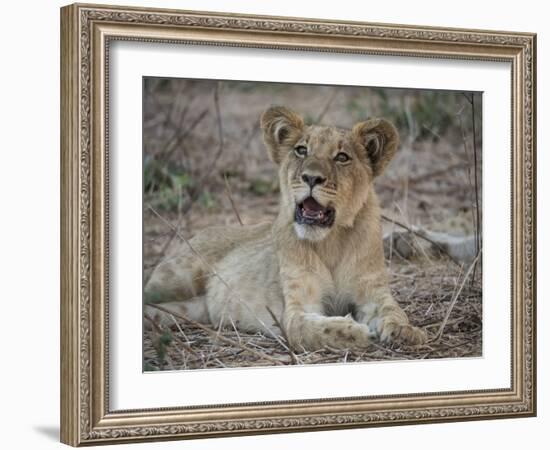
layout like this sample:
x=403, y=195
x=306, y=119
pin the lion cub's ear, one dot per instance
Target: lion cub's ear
x=281, y=128
x=380, y=139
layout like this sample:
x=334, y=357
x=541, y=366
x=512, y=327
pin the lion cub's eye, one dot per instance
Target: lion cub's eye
x=342, y=157
x=300, y=151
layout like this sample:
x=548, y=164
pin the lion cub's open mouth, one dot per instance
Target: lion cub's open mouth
x=311, y=212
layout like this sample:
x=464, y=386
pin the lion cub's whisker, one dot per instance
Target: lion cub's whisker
x=331, y=193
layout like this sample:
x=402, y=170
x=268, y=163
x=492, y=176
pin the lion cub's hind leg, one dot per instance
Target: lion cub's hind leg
x=194, y=309
x=177, y=285
x=178, y=278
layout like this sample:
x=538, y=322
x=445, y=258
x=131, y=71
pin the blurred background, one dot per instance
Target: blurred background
x=196, y=132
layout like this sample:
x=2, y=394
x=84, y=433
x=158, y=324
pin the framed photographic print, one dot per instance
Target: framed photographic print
x=276, y=224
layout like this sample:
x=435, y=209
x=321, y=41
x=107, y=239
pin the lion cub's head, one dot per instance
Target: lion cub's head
x=325, y=172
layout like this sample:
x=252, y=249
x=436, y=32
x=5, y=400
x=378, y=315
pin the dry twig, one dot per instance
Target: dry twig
x=327, y=105
x=291, y=353
x=455, y=298
x=228, y=192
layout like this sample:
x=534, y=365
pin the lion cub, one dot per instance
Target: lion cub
x=319, y=267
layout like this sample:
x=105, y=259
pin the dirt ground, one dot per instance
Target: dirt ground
x=201, y=137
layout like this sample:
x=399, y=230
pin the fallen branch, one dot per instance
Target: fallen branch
x=420, y=235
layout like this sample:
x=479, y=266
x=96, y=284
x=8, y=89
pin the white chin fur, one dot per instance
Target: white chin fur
x=310, y=232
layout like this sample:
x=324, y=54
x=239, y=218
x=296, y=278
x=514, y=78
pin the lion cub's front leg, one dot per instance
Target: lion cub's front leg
x=392, y=325
x=306, y=326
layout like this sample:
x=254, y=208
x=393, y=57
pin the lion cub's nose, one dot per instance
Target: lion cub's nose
x=313, y=180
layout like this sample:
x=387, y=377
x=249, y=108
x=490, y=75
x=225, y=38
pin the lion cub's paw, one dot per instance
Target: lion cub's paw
x=391, y=331
x=339, y=333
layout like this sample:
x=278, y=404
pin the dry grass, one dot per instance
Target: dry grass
x=434, y=182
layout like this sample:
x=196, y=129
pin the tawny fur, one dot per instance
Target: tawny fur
x=327, y=286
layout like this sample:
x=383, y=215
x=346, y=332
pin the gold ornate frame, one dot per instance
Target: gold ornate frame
x=86, y=31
